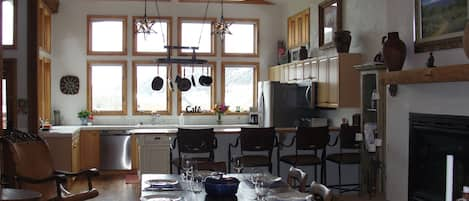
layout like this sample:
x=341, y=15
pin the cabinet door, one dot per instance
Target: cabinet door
x=315, y=69
x=76, y=155
x=307, y=70
x=284, y=74
x=291, y=72
x=299, y=71
x=277, y=73
x=323, y=89
x=271, y=73
x=89, y=149
x=154, y=159
x=305, y=34
x=333, y=99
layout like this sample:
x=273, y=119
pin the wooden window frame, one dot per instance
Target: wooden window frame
x=134, y=89
x=89, y=103
x=212, y=36
x=255, y=22
x=168, y=20
x=15, y=26
x=254, y=65
x=213, y=67
x=9, y=73
x=92, y=18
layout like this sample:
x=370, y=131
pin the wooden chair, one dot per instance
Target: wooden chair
x=255, y=140
x=321, y=192
x=213, y=166
x=347, y=142
x=297, y=178
x=31, y=168
x=193, y=142
x=311, y=139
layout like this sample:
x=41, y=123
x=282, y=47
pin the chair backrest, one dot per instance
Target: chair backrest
x=212, y=166
x=196, y=141
x=347, y=136
x=297, y=177
x=257, y=139
x=312, y=138
x=321, y=192
x=30, y=158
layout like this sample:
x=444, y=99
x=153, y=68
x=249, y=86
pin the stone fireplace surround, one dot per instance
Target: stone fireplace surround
x=436, y=98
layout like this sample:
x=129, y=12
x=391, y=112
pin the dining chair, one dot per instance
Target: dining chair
x=253, y=142
x=348, y=155
x=196, y=145
x=297, y=178
x=310, y=139
x=321, y=192
x=213, y=166
x=31, y=168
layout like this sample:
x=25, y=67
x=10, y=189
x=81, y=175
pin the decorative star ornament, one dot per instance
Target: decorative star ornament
x=222, y=28
x=145, y=26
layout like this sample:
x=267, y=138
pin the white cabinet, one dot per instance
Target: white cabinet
x=153, y=152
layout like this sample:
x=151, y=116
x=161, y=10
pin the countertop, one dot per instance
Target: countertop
x=67, y=131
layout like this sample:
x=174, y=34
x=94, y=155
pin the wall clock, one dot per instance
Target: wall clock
x=69, y=84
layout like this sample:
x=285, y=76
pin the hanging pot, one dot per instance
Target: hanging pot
x=394, y=51
x=157, y=82
x=184, y=84
x=205, y=80
x=192, y=77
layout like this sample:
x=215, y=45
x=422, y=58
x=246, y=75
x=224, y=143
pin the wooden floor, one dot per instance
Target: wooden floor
x=114, y=188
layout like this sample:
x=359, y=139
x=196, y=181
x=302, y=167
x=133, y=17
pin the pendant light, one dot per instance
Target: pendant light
x=221, y=27
x=145, y=25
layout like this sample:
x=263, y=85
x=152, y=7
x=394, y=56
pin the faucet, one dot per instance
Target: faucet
x=154, y=118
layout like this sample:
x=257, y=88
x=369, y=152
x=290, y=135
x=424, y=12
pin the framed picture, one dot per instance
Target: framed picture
x=439, y=24
x=330, y=21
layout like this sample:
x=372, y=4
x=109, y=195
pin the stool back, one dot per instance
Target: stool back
x=312, y=138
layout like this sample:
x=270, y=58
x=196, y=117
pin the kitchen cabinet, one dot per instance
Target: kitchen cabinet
x=76, y=153
x=274, y=73
x=89, y=149
x=154, y=153
x=339, y=82
x=44, y=89
x=298, y=29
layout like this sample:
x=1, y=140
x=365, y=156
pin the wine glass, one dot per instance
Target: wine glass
x=186, y=167
x=237, y=164
x=261, y=190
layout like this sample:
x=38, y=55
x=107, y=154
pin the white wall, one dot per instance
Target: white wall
x=69, y=48
x=441, y=98
x=20, y=54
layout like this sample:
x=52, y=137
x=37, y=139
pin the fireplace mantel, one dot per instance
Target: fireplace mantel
x=452, y=73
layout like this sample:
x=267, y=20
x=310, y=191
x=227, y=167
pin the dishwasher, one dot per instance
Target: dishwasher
x=115, y=150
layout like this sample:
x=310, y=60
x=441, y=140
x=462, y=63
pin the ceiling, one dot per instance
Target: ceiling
x=267, y=2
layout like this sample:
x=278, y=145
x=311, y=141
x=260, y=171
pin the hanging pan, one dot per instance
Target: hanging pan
x=157, y=82
x=184, y=84
x=192, y=77
x=205, y=80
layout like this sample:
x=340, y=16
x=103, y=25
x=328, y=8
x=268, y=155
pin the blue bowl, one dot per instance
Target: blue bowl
x=223, y=187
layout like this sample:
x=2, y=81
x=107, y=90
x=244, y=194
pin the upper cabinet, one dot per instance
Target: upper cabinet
x=44, y=27
x=298, y=29
x=338, y=81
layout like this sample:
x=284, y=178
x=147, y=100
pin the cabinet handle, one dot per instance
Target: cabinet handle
x=157, y=138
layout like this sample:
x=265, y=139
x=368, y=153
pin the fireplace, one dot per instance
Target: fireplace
x=432, y=138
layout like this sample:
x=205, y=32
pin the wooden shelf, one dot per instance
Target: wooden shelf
x=452, y=73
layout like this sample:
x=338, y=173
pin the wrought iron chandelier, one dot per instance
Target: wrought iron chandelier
x=221, y=27
x=145, y=25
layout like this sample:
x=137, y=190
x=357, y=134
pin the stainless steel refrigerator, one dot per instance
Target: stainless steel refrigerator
x=277, y=104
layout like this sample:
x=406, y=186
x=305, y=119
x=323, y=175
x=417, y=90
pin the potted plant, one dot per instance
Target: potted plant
x=84, y=115
x=219, y=110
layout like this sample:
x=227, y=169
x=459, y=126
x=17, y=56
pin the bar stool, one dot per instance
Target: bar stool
x=347, y=141
x=308, y=139
x=194, y=142
x=255, y=140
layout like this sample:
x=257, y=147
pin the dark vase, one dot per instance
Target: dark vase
x=342, y=40
x=394, y=52
x=303, y=53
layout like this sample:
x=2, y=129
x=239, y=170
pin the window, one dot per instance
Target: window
x=239, y=85
x=152, y=44
x=145, y=99
x=9, y=109
x=198, y=96
x=9, y=23
x=244, y=38
x=191, y=30
x=107, y=94
x=107, y=35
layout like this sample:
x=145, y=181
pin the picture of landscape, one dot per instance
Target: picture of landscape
x=440, y=17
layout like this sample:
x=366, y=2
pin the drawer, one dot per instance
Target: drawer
x=154, y=139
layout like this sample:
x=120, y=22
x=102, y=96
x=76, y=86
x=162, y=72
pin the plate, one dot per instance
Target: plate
x=162, y=182
x=290, y=196
x=161, y=197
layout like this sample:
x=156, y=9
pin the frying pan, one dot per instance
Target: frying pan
x=157, y=82
x=184, y=84
x=205, y=80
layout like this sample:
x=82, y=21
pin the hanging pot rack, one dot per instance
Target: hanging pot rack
x=193, y=60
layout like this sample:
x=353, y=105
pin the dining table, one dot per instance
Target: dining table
x=278, y=190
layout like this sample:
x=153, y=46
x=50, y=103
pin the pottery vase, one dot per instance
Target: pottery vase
x=342, y=40
x=466, y=40
x=84, y=121
x=394, y=52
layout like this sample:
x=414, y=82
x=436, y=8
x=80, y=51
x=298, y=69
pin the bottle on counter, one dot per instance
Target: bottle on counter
x=465, y=194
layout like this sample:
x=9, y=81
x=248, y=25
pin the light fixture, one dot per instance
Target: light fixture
x=221, y=27
x=145, y=25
